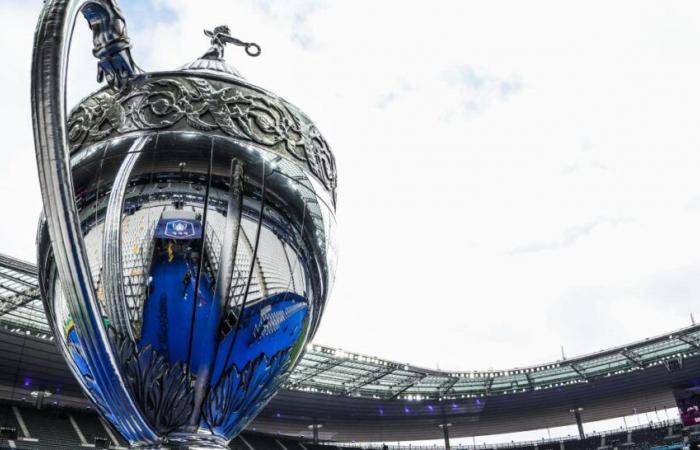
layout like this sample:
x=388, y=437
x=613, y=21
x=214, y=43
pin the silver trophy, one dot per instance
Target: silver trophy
x=187, y=245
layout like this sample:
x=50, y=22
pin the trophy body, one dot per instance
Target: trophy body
x=186, y=250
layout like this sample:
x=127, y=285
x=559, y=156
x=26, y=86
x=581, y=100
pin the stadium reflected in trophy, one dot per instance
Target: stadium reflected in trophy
x=186, y=248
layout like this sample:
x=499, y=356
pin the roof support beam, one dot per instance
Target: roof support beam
x=531, y=384
x=448, y=385
x=579, y=371
x=408, y=384
x=632, y=357
x=690, y=341
x=370, y=378
x=16, y=279
x=17, y=265
x=13, y=302
x=317, y=370
x=489, y=383
x=13, y=290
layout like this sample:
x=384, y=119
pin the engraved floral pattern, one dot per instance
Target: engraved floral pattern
x=204, y=105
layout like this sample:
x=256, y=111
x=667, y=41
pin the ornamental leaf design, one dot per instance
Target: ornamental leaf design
x=190, y=102
x=228, y=395
x=231, y=404
x=163, y=391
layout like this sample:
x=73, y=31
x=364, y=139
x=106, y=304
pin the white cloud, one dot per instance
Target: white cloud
x=462, y=130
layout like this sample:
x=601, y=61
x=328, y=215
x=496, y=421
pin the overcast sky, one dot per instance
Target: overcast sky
x=514, y=176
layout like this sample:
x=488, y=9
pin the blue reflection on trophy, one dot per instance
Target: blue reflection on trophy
x=187, y=245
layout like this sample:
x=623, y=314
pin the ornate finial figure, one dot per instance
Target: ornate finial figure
x=222, y=36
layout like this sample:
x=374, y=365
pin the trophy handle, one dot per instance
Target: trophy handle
x=112, y=46
x=50, y=60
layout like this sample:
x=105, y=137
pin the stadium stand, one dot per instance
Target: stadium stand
x=389, y=400
x=290, y=444
x=53, y=428
x=238, y=444
x=8, y=419
x=93, y=428
x=261, y=442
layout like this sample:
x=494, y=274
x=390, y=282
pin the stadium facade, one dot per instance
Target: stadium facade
x=362, y=398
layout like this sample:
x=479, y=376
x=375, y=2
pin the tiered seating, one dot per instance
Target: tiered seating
x=260, y=442
x=676, y=428
x=651, y=436
x=310, y=446
x=54, y=431
x=550, y=446
x=246, y=239
x=93, y=245
x=291, y=444
x=616, y=439
x=237, y=444
x=52, y=428
x=137, y=243
x=8, y=419
x=523, y=447
x=274, y=261
x=91, y=427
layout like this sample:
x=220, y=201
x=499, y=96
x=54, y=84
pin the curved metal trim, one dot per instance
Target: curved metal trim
x=224, y=278
x=49, y=76
x=115, y=297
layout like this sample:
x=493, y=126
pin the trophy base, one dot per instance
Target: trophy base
x=189, y=442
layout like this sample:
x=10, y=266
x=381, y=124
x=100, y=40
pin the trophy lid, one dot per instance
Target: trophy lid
x=213, y=60
x=204, y=97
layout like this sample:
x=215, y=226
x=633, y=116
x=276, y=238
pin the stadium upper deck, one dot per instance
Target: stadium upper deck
x=364, y=398
x=336, y=372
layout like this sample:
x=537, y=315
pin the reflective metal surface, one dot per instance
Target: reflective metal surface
x=187, y=248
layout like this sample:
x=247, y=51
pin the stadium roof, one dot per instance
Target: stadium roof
x=20, y=301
